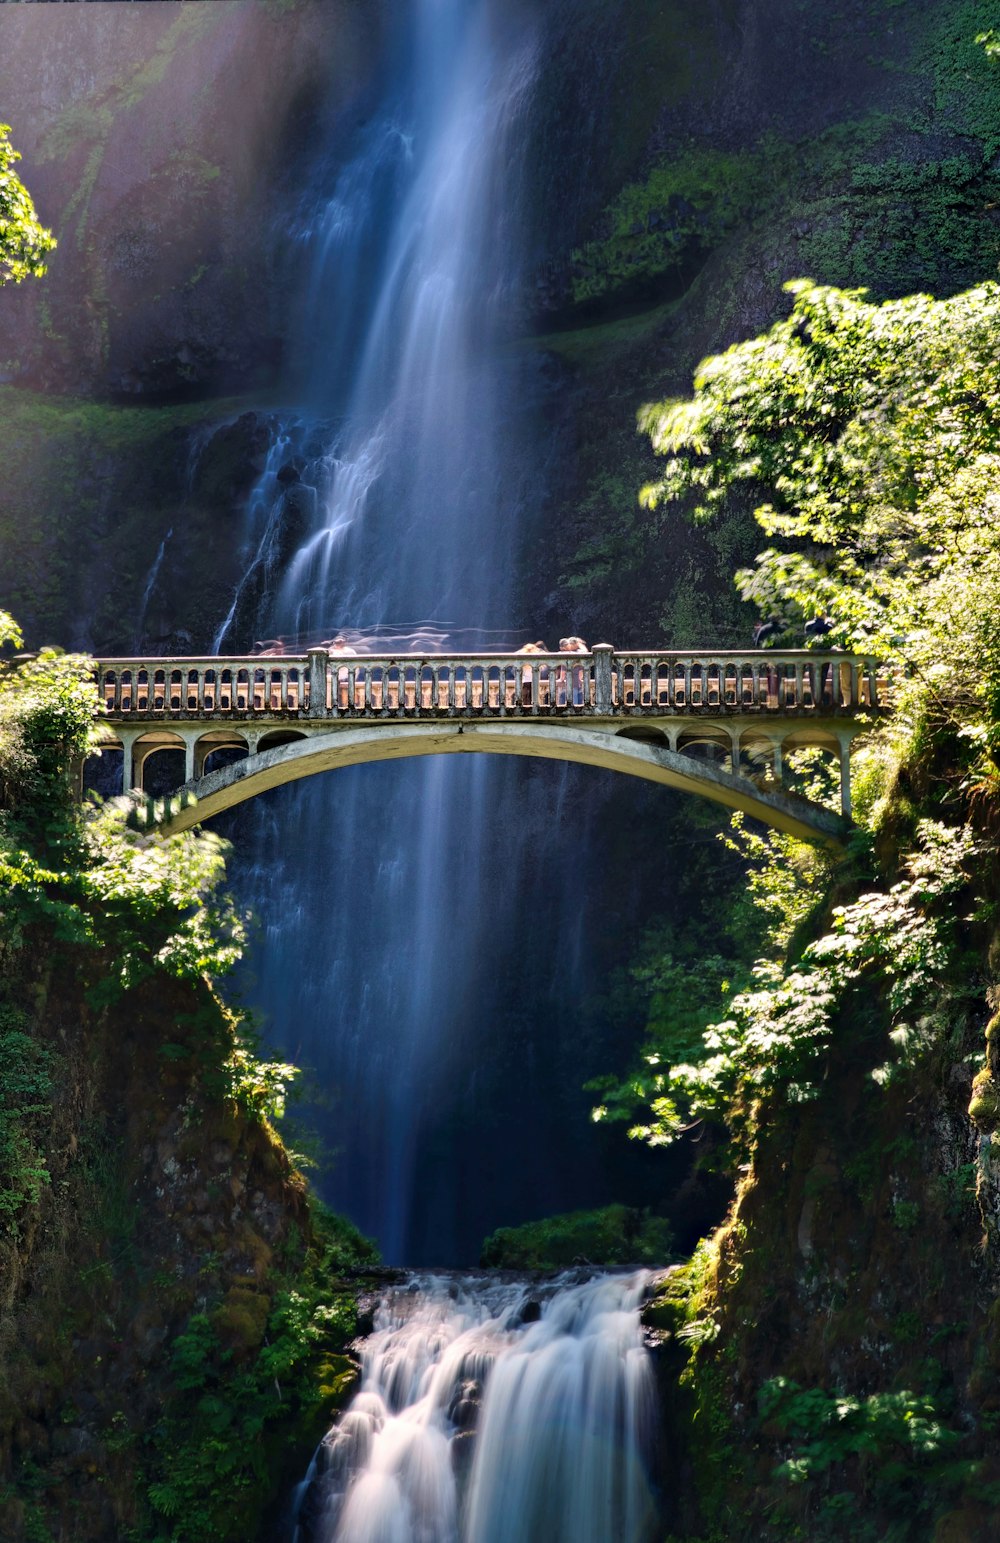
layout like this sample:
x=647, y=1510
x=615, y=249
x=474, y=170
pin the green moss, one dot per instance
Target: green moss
x=25, y=1109
x=984, y=1108
x=662, y=227
x=337, y=1378
x=236, y=1419
x=241, y=1318
x=893, y=202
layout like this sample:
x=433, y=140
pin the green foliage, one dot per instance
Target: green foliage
x=158, y=904
x=148, y=905
x=24, y=243
x=215, y=1450
x=616, y=1234
x=775, y=884
x=870, y=436
x=258, y=1087
x=135, y=906
x=658, y=229
x=895, y=1446
x=47, y=717
x=773, y=1041
x=895, y=201
x=25, y=1104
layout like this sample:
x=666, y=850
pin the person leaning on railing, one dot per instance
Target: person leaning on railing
x=571, y=645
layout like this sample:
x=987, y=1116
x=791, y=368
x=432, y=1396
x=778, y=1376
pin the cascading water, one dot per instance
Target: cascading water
x=494, y=1412
x=388, y=894
x=423, y=922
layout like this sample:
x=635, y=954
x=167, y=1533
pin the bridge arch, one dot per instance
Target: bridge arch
x=304, y=755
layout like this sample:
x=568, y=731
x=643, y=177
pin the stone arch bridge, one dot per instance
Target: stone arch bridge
x=716, y=724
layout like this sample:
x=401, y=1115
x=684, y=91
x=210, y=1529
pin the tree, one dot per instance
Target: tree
x=871, y=436
x=24, y=242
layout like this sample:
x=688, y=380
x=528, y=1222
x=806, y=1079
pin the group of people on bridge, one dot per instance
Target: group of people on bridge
x=567, y=682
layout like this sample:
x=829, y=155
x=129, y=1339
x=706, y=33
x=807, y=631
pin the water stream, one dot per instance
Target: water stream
x=493, y=1412
x=398, y=959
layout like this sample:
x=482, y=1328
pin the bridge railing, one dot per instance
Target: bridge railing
x=604, y=682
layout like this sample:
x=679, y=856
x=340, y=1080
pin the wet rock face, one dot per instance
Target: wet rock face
x=163, y=1203
x=463, y=1411
x=157, y=145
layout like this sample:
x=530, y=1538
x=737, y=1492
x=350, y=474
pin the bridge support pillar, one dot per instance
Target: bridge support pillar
x=603, y=690
x=189, y=747
x=128, y=738
x=778, y=760
x=845, y=776
x=734, y=751
x=317, y=682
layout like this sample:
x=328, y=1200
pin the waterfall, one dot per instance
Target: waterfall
x=373, y=887
x=494, y=1412
x=150, y=585
x=426, y=926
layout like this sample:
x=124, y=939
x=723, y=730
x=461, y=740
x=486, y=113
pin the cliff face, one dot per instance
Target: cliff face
x=160, y=144
x=840, y=1375
x=159, y=1257
x=855, y=146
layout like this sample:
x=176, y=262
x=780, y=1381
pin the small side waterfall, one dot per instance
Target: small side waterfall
x=494, y=1412
x=147, y=593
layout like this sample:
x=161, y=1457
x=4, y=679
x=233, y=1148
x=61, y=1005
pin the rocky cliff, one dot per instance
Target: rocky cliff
x=158, y=1343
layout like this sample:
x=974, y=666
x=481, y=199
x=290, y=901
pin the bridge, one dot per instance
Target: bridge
x=719, y=725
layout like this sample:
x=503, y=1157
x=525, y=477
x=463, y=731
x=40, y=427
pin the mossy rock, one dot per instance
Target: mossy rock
x=664, y=1312
x=242, y=1318
x=984, y=1107
x=338, y=1378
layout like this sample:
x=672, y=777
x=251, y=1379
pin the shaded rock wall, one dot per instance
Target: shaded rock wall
x=163, y=1200
x=159, y=143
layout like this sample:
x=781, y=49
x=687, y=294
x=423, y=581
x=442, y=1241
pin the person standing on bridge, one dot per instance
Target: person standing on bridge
x=819, y=627
x=572, y=645
x=768, y=630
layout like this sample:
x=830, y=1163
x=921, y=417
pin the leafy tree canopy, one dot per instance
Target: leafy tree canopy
x=24, y=242
x=871, y=435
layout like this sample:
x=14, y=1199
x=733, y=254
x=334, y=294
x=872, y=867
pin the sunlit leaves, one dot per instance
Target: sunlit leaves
x=773, y=1040
x=870, y=436
x=24, y=243
x=830, y=1428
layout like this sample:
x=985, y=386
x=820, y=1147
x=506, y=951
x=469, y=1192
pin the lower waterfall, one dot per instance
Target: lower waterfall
x=494, y=1411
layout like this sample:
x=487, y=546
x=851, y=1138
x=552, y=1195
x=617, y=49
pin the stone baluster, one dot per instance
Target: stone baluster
x=845, y=776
